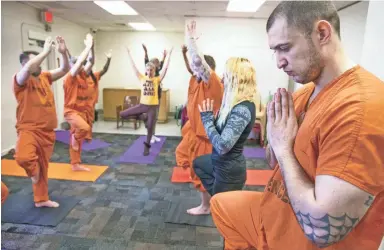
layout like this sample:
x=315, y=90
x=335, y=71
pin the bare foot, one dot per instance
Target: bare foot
x=78, y=167
x=35, y=179
x=200, y=210
x=48, y=203
x=75, y=144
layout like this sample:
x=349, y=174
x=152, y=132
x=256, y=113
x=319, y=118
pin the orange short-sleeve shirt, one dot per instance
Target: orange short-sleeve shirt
x=197, y=93
x=35, y=103
x=341, y=134
x=76, y=92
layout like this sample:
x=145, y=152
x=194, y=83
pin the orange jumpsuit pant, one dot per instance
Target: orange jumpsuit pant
x=182, y=156
x=33, y=152
x=196, y=146
x=4, y=192
x=239, y=225
x=81, y=127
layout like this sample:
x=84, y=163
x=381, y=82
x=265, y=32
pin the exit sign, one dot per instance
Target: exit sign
x=47, y=17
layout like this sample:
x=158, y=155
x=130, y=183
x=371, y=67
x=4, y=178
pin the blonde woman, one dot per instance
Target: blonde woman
x=149, y=100
x=225, y=169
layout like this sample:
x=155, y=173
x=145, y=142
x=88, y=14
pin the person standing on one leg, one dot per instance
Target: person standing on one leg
x=225, y=169
x=158, y=66
x=149, y=99
x=78, y=98
x=203, y=84
x=182, y=150
x=36, y=117
x=327, y=190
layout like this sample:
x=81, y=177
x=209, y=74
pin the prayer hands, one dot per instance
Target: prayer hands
x=184, y=49
x=88, y=42
x=109, y=54
x=49, y=44
x=282, y=123
x=207, y=106
x=62, y=47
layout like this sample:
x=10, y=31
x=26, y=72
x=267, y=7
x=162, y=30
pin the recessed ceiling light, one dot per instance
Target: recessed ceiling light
x=142, y=26
x=116, y=7
x=244, y=5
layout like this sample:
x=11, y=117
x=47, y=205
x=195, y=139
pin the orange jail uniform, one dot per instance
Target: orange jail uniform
x=36, y=121
x=196, y=137
x=341, y=135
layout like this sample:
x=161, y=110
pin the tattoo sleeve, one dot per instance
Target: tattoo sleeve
x=326, y=230
x=238, y=120
x=199, y=65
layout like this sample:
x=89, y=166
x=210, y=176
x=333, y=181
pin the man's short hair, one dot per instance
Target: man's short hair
x=210, y=61
x=303, y=14
x=25, y=55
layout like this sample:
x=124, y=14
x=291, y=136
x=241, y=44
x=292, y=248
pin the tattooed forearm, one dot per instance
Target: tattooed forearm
x=199, y=66
x=326, y=230
x=238, y=120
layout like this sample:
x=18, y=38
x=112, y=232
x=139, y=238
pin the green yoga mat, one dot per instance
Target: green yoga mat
x=177, y=214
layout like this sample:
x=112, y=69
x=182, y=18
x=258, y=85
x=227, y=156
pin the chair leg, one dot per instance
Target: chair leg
x=117, y=122
x=135, y=124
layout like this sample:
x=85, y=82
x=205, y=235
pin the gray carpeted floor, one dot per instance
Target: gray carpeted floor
x=124, y=209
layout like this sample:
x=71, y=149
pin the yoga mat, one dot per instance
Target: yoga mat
x=257, y=177
x=63, y=136
x=254, y=152
x=20, y=209
x=254, y=177
x=134, y=154
x=60, y=171
x=180, y=175
x=177, y=214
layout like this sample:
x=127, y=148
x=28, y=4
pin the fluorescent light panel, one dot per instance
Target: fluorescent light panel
x=118, y=8
x=142, y=26
x=244, y=5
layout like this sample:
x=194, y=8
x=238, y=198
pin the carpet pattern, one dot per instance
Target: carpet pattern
x=124, y=209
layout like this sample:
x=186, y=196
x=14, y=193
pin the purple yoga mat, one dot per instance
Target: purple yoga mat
x=254, y=152
x=63, y=136
x=134, y=154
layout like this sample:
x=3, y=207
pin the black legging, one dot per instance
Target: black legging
x=140, y=109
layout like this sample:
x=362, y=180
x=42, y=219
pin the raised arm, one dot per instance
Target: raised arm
x=199, y=65
x=137, y=72
x=64, y=66
x=164, y=72
x=33, y=64
x=163, y=60
x=329, y=207
x=184, y=50
x=238, y=120
x=146, y=59
x=106, y=66
x=79, y=63
x=90, y=60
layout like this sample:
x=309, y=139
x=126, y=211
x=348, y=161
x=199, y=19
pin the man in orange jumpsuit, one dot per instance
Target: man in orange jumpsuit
x=327, y=189
x=92, y=94
x=203, y=84
x=36, y=117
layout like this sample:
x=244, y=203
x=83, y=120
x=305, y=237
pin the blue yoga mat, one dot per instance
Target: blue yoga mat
x=134, y=154
x=63, y=136
x=20, y=209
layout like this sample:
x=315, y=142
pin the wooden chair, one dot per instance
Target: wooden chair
x=129, y=101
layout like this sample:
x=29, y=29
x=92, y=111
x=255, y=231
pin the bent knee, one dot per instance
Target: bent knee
x=25, y=160
x=4, y=192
